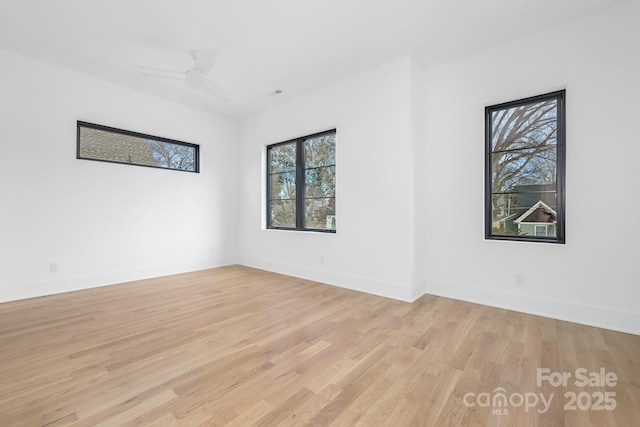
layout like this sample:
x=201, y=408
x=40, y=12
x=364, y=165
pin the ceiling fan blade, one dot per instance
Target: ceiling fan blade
x=204, y=59
x=161, y=73
x=216, y=90
x=195, y=78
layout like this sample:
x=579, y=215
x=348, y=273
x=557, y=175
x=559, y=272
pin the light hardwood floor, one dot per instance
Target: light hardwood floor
x=237, y=346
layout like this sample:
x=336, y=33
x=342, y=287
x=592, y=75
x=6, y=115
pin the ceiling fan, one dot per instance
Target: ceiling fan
x=195, y=77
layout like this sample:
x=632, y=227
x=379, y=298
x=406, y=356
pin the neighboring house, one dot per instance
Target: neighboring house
x=323, y=217
x=507, y=223
x=535, y=211
x=539, y=220
x=331, y=216
x=101, y=145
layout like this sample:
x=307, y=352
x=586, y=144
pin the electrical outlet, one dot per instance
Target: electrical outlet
x=54, y=267
x=321, y=259
x=519, y=280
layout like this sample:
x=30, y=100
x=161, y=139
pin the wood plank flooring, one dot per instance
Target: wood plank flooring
x=235, y=346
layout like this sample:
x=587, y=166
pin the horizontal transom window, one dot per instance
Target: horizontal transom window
x=107, y=144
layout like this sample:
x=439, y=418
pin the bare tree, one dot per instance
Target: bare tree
x=318, y=183
x=524, y=145
x=173, y=156
x=282, y=163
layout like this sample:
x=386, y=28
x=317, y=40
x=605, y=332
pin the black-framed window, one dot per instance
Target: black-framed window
x=525, y=169
x=108, y=144
x=301, y=183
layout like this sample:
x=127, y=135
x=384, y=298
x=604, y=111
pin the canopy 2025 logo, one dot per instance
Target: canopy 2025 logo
x=500, y=402
x=584, y=400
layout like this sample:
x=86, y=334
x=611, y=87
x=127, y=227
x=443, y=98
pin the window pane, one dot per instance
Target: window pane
x=320, y=182
x=523, y=167
x=541, y=230
x=529, y=125
x=282, y=158
x=518, y=213
x=320, y=151
x=320, y=213
x=96, y=142
x=172, y=156
x=283, y=213
x=283, y=185
x=301, y=182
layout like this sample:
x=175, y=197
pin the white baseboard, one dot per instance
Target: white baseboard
x=601, y=317
x=398, y=291
x=62, y=284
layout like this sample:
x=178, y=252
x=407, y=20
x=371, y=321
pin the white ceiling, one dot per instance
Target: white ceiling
x=264, y=45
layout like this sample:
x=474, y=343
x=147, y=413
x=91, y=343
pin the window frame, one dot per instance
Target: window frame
x=108, y=129
x=560, y=98
x=300, y=184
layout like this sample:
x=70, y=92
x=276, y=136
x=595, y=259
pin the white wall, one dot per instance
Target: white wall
x=372, y=249
x=410, y=181
x=103, y=223
x=410, y=153
x=594, y=278
x=419, y=196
